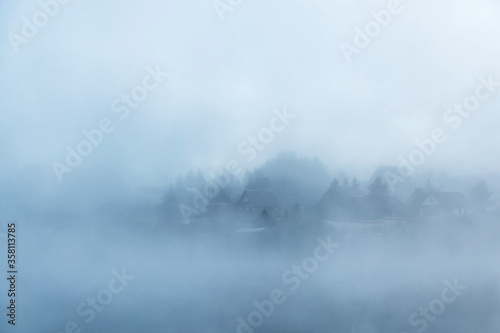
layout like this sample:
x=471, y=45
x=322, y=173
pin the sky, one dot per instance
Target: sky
x=227, y=77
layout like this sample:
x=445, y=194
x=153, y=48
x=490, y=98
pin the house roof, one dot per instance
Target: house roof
x=448, y=200
x=417, y=197
x=258, y=198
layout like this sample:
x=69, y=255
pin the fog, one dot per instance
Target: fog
x=371, y=283
x=237, y=166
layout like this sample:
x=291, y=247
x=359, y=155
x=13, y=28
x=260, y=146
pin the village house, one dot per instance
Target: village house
x=259, y=207
x=437, y=203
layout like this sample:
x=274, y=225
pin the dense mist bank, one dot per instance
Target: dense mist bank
x=370, y=282
x=274, y=251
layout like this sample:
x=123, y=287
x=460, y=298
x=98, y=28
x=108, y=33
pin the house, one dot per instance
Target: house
x=259, y=218
x=253, y=200
x=436, y=203
x=259, y=207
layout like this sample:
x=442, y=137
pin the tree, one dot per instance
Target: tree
x=295, y=214
x=376, y=204
x=354, y=188
x=334, y=190
x=345, y=184
x=480, y=196
x=222, y=197
x=338, y=201
x=428, y=187
x=257, y=181
x=378, y=188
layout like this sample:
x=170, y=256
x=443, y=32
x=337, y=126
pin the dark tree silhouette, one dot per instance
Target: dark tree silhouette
x=345, y=184
x=480, y=196
x=377, y=203
x=428, y=187
x=354, y=188
x=257, y=181
x=378, y=188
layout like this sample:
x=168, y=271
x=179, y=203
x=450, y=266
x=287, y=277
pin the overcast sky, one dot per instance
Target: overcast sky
x=227, y=76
